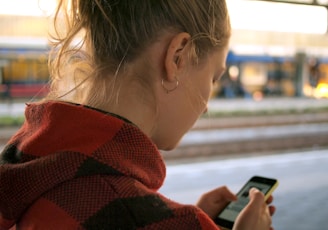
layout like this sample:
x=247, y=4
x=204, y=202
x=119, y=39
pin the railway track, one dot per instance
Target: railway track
x=253, y=134
x=241, y=135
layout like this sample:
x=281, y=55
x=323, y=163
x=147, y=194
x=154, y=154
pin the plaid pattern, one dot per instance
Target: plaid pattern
x=73, y=167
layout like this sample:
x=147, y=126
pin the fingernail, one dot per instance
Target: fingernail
x=254, y=190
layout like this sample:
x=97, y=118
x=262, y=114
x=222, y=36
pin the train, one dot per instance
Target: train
x=24, y=74
x=24, y=69
x=265, y=75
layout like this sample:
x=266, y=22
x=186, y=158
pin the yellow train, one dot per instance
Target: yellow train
x=23, y=71
x=24, y=74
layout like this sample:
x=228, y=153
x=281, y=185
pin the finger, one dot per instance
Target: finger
x=272, y=210
x=228, y=195
x=269, y=200
x=223, y=193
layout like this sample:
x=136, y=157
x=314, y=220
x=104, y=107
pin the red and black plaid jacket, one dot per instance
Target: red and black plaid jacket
x=73, y=167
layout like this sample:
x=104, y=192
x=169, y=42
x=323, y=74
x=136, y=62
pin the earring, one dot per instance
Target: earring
x=172, y=89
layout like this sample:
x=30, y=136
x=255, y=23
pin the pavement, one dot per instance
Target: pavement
x=301, y=198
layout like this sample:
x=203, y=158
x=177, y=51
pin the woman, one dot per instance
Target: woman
x=128, y=78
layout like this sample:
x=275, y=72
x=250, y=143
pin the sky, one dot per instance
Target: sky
x=245, y=15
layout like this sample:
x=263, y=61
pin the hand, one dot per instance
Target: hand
x=257, y=214
x=214, y=201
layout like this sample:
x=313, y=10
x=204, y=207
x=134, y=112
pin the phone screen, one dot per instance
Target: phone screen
x=227, y=217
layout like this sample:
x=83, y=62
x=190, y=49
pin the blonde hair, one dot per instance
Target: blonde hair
x=112, y=33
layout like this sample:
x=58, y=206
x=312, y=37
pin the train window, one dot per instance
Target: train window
x=23, y=70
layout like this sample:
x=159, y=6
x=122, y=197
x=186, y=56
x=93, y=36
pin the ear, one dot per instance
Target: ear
x=176, y=55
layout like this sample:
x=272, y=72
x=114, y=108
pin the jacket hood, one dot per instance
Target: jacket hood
x=60, y=142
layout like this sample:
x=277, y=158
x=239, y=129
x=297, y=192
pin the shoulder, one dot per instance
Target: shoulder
x=93, y=203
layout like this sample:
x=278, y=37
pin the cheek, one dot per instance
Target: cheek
x=208, y=92
x=205, y=89
x=200, y=99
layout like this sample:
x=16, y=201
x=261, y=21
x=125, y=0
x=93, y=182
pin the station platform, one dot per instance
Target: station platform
x=292, y=169
x=235, y=125
x=16, y=108
x=296, y=104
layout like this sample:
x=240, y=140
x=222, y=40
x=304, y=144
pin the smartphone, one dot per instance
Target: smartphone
x=228, y=215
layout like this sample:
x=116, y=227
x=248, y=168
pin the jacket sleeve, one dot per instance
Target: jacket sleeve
x=186, y=217
x=206, y=223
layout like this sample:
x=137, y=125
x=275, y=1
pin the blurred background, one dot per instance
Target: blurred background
x=268, y=115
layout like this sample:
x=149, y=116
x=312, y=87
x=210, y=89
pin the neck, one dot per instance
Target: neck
x=133, y=103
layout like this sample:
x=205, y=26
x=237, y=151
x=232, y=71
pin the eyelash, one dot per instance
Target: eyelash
x=217, y=78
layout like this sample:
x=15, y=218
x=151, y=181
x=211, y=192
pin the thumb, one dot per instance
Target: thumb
x=256, y=197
